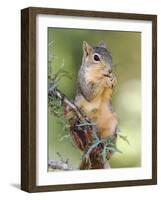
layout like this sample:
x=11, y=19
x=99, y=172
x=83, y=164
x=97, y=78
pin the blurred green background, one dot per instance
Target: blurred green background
x=65, y=48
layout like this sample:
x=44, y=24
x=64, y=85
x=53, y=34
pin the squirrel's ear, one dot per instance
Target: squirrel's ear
x=86, y=48
x=102, y=44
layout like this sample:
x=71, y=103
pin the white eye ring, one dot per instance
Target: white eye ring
x=96, y=57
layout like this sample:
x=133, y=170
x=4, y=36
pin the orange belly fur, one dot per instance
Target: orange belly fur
x=99, y=112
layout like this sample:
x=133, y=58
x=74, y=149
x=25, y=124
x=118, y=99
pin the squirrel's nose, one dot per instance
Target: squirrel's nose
x=107, y=69
x=107, y=72
x=110, y=71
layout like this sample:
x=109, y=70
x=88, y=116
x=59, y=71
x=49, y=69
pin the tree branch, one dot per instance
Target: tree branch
x=62, y=165
x=53, y=91
x=59, y=164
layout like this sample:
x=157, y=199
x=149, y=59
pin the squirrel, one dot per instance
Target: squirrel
x=95, y=83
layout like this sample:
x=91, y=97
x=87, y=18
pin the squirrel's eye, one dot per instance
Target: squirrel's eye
x=96, y=57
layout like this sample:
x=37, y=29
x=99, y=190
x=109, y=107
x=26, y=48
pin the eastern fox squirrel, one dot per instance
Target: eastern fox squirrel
x=95, y=84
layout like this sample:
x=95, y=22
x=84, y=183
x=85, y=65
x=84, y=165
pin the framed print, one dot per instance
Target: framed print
x=88, y=99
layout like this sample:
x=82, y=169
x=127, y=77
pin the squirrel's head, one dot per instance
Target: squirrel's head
x=97, y=56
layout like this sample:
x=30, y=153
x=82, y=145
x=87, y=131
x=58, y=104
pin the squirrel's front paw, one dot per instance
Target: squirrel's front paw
x=111, y=81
